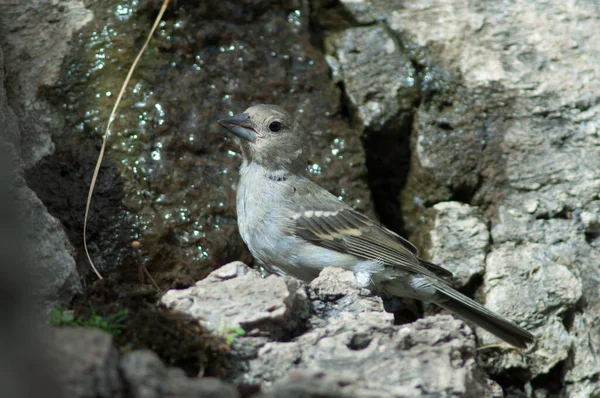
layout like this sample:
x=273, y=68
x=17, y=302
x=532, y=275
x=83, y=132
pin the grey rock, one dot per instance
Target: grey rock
x=586, y=363
x=236, y=296
x=364, y=59
x=36, y=36
x=9, y=134
x=433, y=356
x=335, y=296
x=352, y=347
x=147, y=377
x=459, y=241
x=509, y=124
x=54, y=277
x=381, y=87
x=583, y=389
x=529, y=286
x=472, y=40
x=85, y=362
x=308, y=384
x=24, y=369
x=510, y=271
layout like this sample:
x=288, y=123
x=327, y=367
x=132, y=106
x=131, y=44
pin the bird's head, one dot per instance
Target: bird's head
x=270, y=137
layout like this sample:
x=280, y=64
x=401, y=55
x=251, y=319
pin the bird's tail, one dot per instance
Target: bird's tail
x=473, y=312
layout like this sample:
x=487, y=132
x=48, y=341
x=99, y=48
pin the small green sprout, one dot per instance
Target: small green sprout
x=112, y=323
x=230, y=333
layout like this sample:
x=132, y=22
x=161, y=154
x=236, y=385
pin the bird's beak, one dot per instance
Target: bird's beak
x=240, y=125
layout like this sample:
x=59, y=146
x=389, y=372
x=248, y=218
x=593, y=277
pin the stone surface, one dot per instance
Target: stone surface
x=54, y=277
x=508, y=122
x=433, y=356
x=24, y=370
x=86, y=363
x=35, y=37
x=364, y=59
x=236, y=296
x=459, y=241
x=147, y=377
x=335, y=296
x=351, y=347
x=9, y=133
x=308, y=384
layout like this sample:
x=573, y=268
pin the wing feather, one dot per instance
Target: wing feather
x=348, y=231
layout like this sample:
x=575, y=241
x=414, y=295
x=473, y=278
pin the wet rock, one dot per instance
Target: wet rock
x=176, y=167
x=236, y=296
x=147, y=377
x=459, y=241
x=86, y=363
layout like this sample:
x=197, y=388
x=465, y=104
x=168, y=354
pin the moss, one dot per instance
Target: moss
x=176, y=338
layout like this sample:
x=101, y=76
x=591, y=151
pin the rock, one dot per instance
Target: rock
x=236, y=296
x=36, y=37
x=54, y=277
x=9, y=134
x=526, y=285
x=350, y=339
x=24, y=369
x=459, y=241
x=364, y=59
x=147, y=377
x=335, y=296
x=308, y=384
x=433, y=356
x=86, y=363
x=506, y=123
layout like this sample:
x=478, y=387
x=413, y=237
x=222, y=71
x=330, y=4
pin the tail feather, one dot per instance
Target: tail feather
x=473, y=312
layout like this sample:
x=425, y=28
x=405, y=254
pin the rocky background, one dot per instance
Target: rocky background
x=472, y=128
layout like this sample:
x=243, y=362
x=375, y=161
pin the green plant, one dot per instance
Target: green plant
x=112, y=323
x=230, y=333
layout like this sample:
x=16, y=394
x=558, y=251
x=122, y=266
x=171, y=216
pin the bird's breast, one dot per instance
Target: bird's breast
x=261, y=209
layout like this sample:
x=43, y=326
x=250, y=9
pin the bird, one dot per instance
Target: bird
x=292, y=226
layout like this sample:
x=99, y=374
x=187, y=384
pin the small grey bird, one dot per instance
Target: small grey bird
x=294, y=227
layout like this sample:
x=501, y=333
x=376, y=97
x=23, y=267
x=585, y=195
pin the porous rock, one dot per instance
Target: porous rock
x=237, y=296
x=432, y=356
x=459, y=241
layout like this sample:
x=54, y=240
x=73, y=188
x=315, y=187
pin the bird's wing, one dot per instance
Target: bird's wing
x=325, y=221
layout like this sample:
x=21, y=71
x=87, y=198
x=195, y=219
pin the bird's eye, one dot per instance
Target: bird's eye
x=275, y=126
